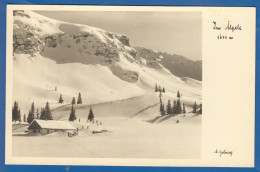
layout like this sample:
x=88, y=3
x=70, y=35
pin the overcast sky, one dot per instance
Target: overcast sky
x=172, y=32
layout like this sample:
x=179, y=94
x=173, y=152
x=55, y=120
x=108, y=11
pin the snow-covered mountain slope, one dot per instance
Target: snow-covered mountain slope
x=77, y=58
x=178, y=65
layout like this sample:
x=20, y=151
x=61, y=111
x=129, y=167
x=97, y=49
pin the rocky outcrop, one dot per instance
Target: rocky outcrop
x=123, y=39
x=152, y=58
x=20, y=13
x=25, y=40
x=50, y=41
x=72, y=43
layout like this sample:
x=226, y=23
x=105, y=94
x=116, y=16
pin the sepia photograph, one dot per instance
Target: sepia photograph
x=106, y=84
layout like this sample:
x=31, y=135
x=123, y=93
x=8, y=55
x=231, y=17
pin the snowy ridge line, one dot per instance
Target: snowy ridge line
x=146, y=108
x=59, y=107
x=80, y=106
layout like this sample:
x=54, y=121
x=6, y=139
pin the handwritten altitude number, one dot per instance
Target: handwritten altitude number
x=220, y=36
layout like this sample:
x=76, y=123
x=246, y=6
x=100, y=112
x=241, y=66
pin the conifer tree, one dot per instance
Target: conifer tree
x=159, y=88
x=30, y=117
x=163, y=110
x=43, y=116
x=56, y=88
x=163, y=90
x=200, y=109
x=48, y=114
x=41, y=113
x=156, y=89
x=24, y=118
x=194, y=108
x=73, y=101
x=169, y=108
x=31, y=114
x=19, y=116
x=178, y=94
x=61, y=99
x=178, y=106
x=160, y=95
x=72, y=114
x=174, y=107
x=91, y=115
x=15, y=112
x=184, y=110
x=79, y=99
x=37, y=114
x=33, y=110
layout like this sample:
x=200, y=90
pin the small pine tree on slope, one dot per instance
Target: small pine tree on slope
x=169, y=108
x=42, y=116
x=178, y=106
x=48, y=114
x=194, y=108
x=24, y=118
x=79, y=99
x=91, y=115
x=174, y=107
x=37, y=114
x=72, y=114
x=200, y=109
x=184, y=110
x=163, y=90
x=73, y=101
x=178, y=94
x=61, y=99
x=30, y=117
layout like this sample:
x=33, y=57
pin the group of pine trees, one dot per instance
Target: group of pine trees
x=197, y=109
x=174, y=109
x=73, y=102
x=79, y=101
x=73, y=117
x=177, y=108
x=159, y=89
x=44, y=115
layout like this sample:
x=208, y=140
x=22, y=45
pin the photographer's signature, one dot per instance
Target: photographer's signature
x=223, y=152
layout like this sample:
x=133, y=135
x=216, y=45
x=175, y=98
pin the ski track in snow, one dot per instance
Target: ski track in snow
x=146, y=108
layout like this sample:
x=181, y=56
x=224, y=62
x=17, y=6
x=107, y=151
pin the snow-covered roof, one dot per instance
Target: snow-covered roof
x=52, y=124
